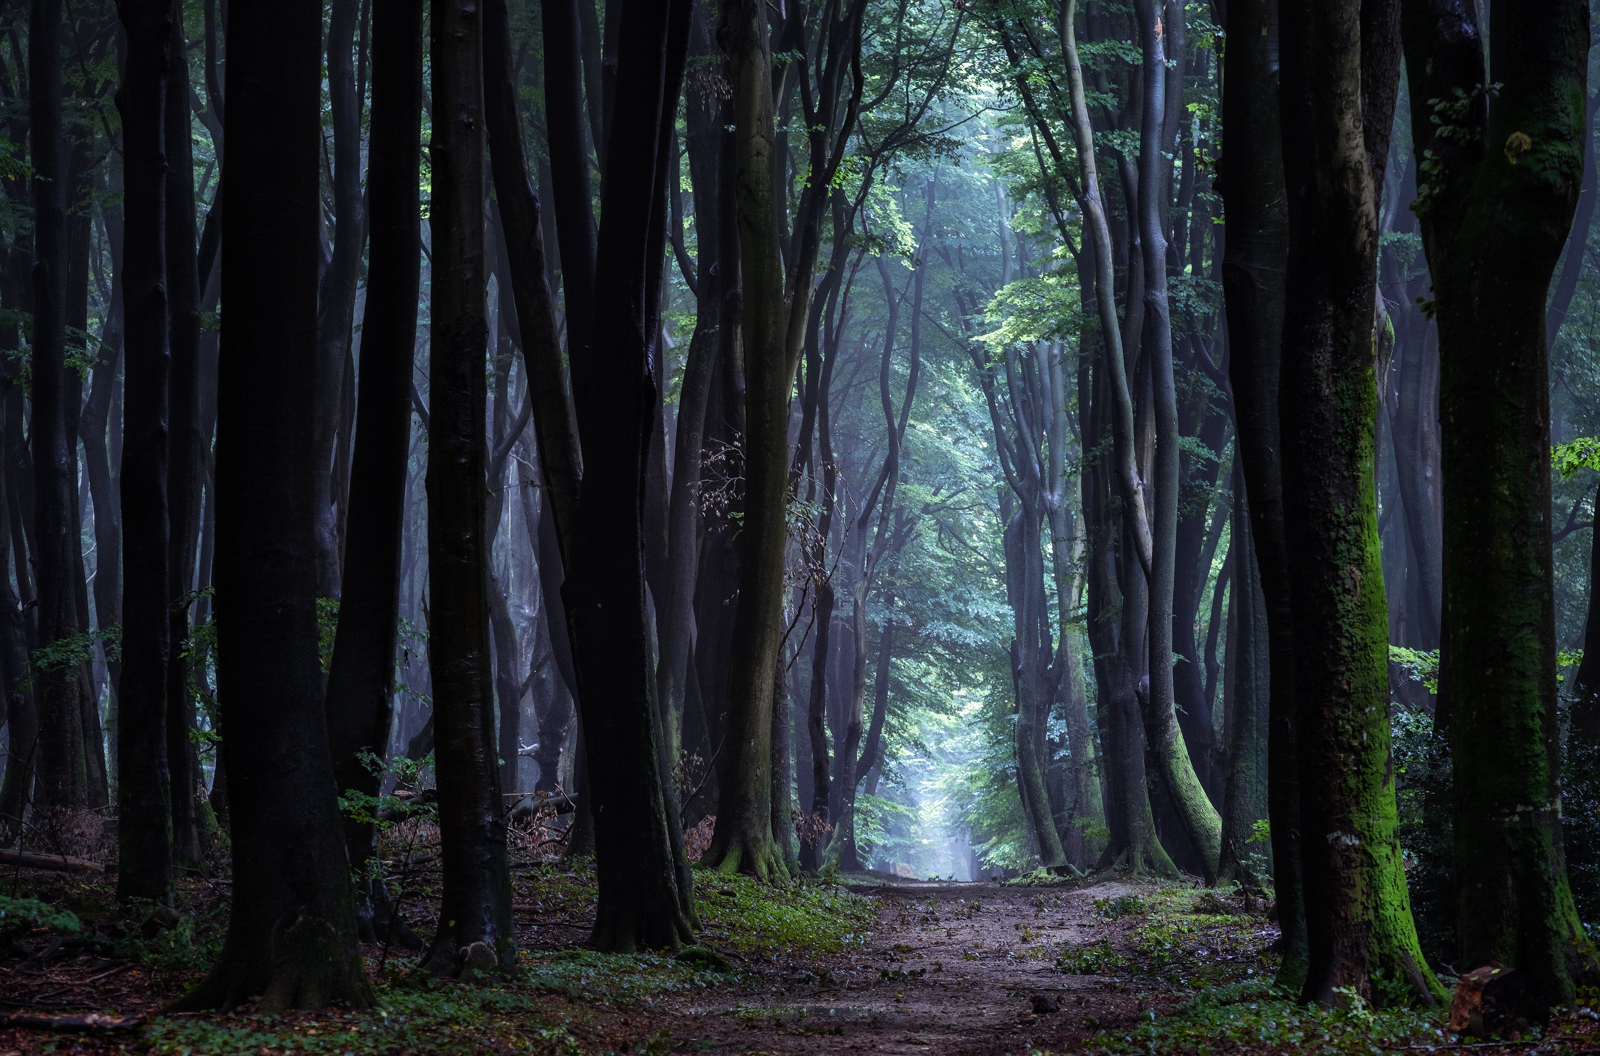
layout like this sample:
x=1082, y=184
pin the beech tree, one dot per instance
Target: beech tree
x=291, y=940
x=1495, y=198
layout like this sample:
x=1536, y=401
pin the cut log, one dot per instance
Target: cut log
x=58, y=862
x=1496, y=1001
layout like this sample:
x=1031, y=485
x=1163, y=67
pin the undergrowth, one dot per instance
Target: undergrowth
x=1253, y=1016
x=742, y=914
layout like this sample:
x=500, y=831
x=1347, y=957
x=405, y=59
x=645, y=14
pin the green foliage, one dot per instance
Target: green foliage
x=418, y=1015
x=327, y=629
x=1119, y=907
x=1583, y=453
x=26, y=913
x=1420, y=665
x=1251, y=1016
x=64, y=654
x=742, y=914
x=1097, y=958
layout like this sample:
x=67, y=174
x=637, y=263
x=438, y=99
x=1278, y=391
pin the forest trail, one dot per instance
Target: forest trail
x=955, y=968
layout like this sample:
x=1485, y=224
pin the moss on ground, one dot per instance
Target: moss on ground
x=742, y=914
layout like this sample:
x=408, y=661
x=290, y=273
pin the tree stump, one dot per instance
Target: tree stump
x=1497, y=1001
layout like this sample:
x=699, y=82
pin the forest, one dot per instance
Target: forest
x=798, y=526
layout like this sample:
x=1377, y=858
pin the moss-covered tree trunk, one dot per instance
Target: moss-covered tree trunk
x=1252, y=282
x=1496, y=198
x=743, y=839
x=1358, y=913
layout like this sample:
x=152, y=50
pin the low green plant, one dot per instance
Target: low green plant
x=814, y=916
x=1252, y=1017
x=27, y=913
x=1119, y=907
x=1097, y=958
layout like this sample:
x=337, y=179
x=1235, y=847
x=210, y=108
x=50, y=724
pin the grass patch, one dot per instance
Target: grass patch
x=1254, y=1017
x=616, y=978
x=809, y=916
x=431, y=1016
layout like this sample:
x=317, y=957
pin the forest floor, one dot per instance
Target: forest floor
x=871, y=964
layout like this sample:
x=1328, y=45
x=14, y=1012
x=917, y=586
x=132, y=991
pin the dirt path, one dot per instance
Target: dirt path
x=952, y=968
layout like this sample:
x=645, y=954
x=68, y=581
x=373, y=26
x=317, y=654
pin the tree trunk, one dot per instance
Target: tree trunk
x=476, y=933
x=291, y=937
x=643, y=900
x=1199, y=818
x=1252, y=276
x=336, y=296
x=186, y=448
x=1358, y=913
x=1495, y=214
x=530, y=301
x=743, y=838
x=1249, y=726
x=144, y=828
x=62, y=766
x=361, y=673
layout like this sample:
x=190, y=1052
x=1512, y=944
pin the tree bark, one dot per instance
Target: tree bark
x=186, y=448
x=1245, y=800
x=643, y=900
x=291, y=937
x=1199, y=818
x=743, y=838
x=361, y=673
x=476, y=933
x=1357, y=909
x=144, y=828
x=336, y=296
x=1253, y=264
x=532, y=309
x=62, y=765
x=1495, y=212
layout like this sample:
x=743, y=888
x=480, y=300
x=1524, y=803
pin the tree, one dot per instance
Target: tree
x=62, y=753
x=144, y=830
x=743, y=838
x=1339, y=77
x=644, y=900
x=291, y=939
x=1497, y=188
x=1252, y=277
x=361, y=673
x=186, y=449
x=476, y=933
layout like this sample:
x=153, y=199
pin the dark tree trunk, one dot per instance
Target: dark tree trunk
x=1494, y=218
x=569, y=174
x=476, y=929
x=524, y=250
x=644, y=900
x=144, y=828
x=336, y=298
x=361, y=674
x=22, y=717
x=1249, y=723
x=93, y=430
x=1252, y=275
x=1357, y=910
x=291, y=938
x=63, y=770
x=185, y=451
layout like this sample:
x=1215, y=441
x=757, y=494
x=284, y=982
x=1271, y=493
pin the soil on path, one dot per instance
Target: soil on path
x=958, y=968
